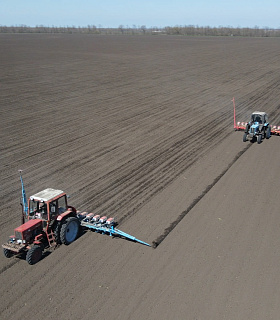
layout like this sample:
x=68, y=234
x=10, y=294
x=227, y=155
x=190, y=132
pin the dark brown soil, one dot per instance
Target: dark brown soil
x=141, y=129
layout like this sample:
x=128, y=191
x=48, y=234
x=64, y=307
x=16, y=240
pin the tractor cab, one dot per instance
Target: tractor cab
x=258, y=121
x=47, y=204
x=259, y=117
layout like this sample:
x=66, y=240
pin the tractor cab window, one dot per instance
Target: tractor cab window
x=53, y=208
x=62, y=207
x=43, y=211
x=33, y=207
x=38, y=209
x=256, y=118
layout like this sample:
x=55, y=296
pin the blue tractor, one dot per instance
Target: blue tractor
x=258, y=128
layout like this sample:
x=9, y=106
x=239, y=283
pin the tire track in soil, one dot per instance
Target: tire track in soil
x=107, y=195
x=173, y=224
x=9, y=265
x=161, y=183
x=154, y=169
x=162, y=161
x=273, y=115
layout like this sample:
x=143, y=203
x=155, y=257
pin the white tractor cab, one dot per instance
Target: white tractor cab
x=47, y=204
x=258, y=127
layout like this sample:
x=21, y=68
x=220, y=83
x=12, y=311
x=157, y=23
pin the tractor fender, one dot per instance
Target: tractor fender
x=38, y=238
x=70, y=208
x=64, y=214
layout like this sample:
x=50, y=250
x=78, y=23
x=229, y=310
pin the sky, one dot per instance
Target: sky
x=151, y=13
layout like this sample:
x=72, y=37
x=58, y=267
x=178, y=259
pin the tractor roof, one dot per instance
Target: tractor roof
x=261, y=113
x=47, y=194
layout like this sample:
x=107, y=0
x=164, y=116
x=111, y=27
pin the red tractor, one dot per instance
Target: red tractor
x=50, y=221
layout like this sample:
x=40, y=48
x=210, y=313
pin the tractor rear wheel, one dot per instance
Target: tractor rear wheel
x=259, y=138
x=8, y=253
x=34, y=254
x=69, y=230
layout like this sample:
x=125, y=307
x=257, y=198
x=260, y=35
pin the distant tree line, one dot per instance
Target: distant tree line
x=223, y=31
x=187, y=30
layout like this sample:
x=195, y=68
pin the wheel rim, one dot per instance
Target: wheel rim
x=71, y=231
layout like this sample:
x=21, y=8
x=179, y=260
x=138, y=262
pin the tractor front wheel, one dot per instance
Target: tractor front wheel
x=259, y=138
x=69, y=230
x=7, y=253
x=244, y=137
x=34, y=254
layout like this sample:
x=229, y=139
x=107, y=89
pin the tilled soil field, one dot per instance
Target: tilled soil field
x=141, y=129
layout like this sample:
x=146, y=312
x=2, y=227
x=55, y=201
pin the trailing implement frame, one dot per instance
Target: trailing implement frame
x=105, y=226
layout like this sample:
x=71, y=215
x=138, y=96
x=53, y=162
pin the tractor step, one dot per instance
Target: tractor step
x=51, y=238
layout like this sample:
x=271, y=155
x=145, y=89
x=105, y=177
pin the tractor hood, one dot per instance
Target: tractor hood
x=31, y=224
x=28, y=231
x=255, y=125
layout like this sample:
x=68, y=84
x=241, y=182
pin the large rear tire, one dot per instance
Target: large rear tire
x=7, y=253
x=69, y=230
x=34, y=254
x=57, y=230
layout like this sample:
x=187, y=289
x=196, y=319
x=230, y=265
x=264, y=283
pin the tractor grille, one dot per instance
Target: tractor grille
x=18, y=235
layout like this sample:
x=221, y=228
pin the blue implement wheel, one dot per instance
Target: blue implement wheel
x=69, y=230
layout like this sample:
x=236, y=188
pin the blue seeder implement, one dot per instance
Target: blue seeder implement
x=104, y=225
